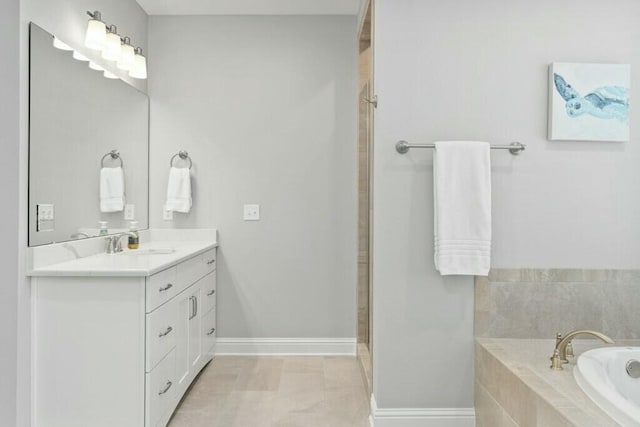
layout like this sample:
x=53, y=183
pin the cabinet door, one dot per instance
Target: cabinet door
x=195, y=328
x=185, y=308
x=189, y=335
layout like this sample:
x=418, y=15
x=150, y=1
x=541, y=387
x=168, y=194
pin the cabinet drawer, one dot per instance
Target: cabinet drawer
x=161, y=287
x=209, y=292
x=160, y=387
x=209, y=333
x=161, y=332
x=195, y=268
x=210, y=260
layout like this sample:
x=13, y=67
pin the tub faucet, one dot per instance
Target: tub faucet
x=562, y=344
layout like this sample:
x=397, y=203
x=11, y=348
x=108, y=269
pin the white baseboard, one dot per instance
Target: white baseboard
x=286, y=346
x=421, y=417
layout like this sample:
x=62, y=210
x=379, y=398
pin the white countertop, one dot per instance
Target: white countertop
x=127, y=263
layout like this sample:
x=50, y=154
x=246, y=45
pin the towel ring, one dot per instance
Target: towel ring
x=114, y=155
x=183, y=155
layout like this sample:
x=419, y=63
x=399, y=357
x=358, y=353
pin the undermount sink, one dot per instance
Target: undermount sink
x=150, y=251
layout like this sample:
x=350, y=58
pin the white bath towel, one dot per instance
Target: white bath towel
x=112, y=196
x=179, y=190
x=462, y=202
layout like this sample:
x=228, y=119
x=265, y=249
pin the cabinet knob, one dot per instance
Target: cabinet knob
x=165, y=333
x=211, y=292
x=211, y=262
x=166, y=288
x=165, y=389
x=211, y=331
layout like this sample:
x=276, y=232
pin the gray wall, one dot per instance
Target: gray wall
x=67, y=19
x=9, y=219
x=266, y=107
x=478, y=70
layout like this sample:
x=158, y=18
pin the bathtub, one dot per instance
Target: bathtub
x=602, y=375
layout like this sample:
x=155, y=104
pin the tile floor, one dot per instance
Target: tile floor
x=276, y=392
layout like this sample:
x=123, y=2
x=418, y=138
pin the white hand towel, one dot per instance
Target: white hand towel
x=112, y=197
x=179, y=190
x=462, y=199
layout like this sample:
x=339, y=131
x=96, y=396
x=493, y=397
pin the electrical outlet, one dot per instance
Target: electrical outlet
x=167, y=214
x=129, y=212
x=252, y=212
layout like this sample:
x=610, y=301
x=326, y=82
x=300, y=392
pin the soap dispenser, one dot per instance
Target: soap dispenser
x=103, y=228
x=134, y=238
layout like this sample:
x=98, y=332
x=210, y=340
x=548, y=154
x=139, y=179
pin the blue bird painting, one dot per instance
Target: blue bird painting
x=608, y=102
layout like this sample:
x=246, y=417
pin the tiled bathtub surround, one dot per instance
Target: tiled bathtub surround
x=515, y=387
x=537, y=303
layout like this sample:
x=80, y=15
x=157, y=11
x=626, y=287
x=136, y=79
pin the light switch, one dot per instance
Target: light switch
x=129, y=212
x=167, y=214
x=252, y=212
x=45, y=217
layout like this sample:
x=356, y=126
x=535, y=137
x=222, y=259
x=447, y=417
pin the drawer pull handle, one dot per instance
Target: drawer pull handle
x=211, y=292
x=166, y=288
x=211, y=331
x=166, y=389
x=211, y=262
x=165, y=333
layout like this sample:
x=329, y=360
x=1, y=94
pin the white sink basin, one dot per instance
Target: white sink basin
x=150, y=251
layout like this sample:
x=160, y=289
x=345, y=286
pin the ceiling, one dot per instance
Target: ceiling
x=250, y=7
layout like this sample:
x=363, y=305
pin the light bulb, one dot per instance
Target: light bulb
x=80, y=57
x=109, y=75
x=60, y=44
x=139, y=70
x=95, y=66
x=127, y=59
x=96, y=32
x=112, y=50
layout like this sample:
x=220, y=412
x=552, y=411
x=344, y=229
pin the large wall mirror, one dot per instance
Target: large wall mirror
x=82, y=128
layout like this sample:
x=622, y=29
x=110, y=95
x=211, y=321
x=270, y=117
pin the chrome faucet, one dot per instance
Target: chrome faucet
x=564, y=347
x=114, y=243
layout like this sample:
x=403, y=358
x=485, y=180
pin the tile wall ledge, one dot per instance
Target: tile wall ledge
x=559, y=275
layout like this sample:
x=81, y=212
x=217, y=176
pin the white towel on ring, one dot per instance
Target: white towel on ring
x=112, y=198
x=462, y=207
x=179, y=190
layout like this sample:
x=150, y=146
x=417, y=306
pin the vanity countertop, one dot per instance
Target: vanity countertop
x=135, y=262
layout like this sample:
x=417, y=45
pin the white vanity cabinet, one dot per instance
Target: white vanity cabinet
x=119, y=350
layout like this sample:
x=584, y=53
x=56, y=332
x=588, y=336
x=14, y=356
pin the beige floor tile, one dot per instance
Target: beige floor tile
x=276, y=392
x=304, y=365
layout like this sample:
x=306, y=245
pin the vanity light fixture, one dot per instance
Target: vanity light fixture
x=112, y=47
x=105, y=38
x=58, y=44
x=96, y=32
x=109, y=75
x=139, y=70
x=127, y=56
x=95, y=66
x=80, y=57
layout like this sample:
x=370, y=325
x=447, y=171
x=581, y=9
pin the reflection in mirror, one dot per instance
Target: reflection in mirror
x=88, y=148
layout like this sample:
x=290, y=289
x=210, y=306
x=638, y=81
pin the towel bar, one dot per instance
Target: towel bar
x=514, y=148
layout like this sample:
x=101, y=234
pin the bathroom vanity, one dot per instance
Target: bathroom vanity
x=119, y=338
